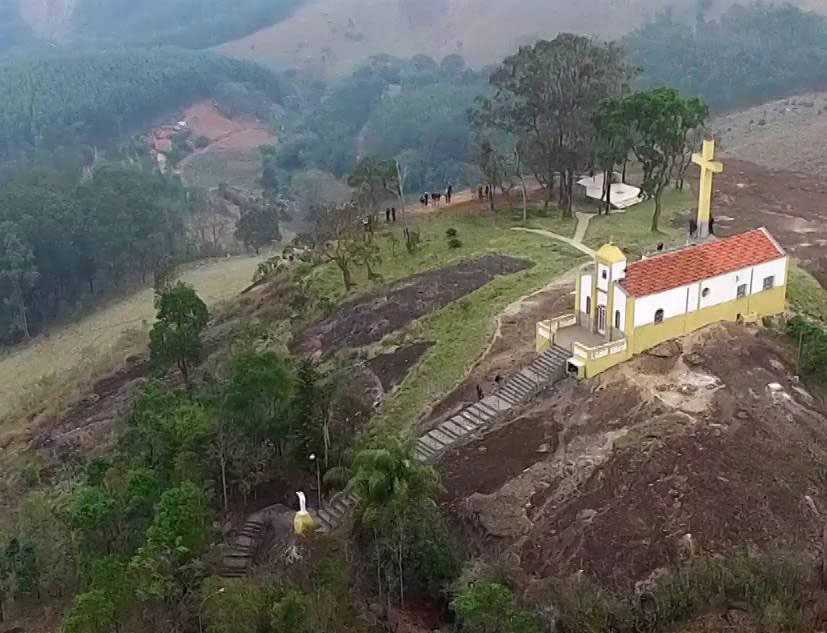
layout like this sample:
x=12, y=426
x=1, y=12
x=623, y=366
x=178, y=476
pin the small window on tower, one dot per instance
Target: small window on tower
x=605, y=274
x=742, y=291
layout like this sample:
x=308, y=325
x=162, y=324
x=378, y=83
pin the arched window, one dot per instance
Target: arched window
x=588, y=305
x=659, y=316
x=617, y=319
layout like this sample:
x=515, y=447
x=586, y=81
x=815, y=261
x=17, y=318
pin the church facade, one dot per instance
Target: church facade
x=622, y=309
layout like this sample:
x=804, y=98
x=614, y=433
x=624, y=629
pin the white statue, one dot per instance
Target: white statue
x=303, y=523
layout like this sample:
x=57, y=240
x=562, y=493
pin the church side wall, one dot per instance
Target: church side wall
x=585, y=291
x=672, y=302
x=619, y=305
x=761, y=303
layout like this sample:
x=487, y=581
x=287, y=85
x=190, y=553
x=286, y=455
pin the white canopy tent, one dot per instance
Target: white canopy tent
x=623, y=195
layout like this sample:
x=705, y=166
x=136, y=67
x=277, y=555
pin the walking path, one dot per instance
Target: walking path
x=583, y=220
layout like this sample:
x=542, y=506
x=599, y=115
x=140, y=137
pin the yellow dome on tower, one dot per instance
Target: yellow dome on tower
x=610, y=254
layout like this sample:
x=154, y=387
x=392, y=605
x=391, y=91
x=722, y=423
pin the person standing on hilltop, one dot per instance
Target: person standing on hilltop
x=448, y=193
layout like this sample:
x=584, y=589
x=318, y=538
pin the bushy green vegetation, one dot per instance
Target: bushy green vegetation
x=92, y=97
x=773, y=590
x=753, y=52
x=805, y=294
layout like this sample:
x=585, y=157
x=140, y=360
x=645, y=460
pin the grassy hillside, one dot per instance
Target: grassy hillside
x=337, y=35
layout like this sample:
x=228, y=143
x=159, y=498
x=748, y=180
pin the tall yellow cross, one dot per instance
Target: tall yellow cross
x=708, y=168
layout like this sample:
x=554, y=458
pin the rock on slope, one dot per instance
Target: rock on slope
x=716, y=440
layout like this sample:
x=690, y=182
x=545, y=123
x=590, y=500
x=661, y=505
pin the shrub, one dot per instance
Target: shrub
x=455, y=242
x=452, y=232
x=201, y=142
x=813, y=341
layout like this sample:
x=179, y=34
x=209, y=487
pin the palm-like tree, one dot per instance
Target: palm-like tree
x=391, y=483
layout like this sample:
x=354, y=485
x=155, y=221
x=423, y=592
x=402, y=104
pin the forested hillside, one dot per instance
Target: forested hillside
x=185, y=23
x=390, y=106
x=88, y=98
x=61, y=241
x=750, y=54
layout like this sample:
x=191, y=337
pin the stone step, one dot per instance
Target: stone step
x=521, y=388
x=481, y=413
x=508, y=397
x=456, y=429
x=439, y=436
x=431, y=443
x=483, y=406
x=420, y=454
x=519, y=379
x=464, y=422
x=512, y=393
x=425, y=448
x=453, y=432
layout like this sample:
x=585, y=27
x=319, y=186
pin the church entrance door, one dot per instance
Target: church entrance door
x=601, y=319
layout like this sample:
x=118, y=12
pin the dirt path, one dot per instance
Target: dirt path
x=53, y=357
x=583, y=220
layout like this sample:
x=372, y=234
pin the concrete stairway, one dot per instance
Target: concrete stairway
x=518, y=390
x=243, y=549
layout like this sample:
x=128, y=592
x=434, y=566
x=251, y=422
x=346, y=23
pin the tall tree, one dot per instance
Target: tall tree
x=547, y=95
x=18, y=274
x=613, y=144
x=337, y=237
x=175, y=339
x=259, y=223
x=661, y=122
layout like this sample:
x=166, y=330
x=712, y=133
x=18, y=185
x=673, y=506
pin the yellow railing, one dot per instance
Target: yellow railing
x=547, y=330
x=601, y=351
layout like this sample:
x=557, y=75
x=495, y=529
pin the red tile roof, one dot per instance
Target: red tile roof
x=696, y=263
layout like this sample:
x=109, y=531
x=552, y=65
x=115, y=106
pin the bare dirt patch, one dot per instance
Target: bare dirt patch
x=392, y=368
x=370, y=318
x=792, y=206
x=786, y=133
x=696, y=442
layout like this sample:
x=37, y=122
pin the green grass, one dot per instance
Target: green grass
x=479, y=234
x=462, y=330
x=805, y=294
x=632, y=230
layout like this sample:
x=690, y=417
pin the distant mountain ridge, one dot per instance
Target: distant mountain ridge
x=338, y=35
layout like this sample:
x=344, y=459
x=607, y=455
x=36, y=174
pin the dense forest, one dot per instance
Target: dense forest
x=194, y=24
x=752, y=53
x=61, y=241
x=91, y=98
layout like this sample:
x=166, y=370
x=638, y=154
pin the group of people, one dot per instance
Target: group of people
x=483, y=192
x=426, y=198
x=390, y=215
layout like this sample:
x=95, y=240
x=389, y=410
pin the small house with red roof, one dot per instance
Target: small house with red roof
x=624, y=308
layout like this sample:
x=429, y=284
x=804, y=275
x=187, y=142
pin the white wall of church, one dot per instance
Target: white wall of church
x=693, y=297
x=723, y=288
x=620, y=304
x=602, y=277
x=777, y=269
x=618, y=271
x=585, y=290
x=672, y=302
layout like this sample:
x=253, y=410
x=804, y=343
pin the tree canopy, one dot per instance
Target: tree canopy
x=752, y=53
